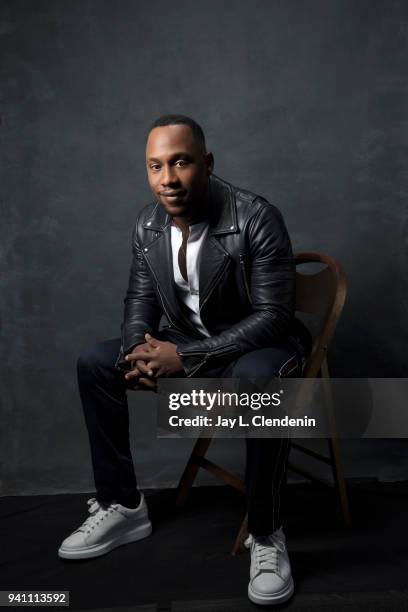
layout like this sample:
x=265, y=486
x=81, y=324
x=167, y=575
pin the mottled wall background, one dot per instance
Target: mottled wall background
x=302, y=101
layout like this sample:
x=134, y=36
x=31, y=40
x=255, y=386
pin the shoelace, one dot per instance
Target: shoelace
x=265, y=552
x=97, y=514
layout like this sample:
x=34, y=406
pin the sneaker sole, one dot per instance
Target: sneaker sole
x=143, y=531
x=277, y=598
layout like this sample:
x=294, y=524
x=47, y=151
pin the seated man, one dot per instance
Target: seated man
x=217, y=262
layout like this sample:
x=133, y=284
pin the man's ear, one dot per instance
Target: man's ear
x=209, y=162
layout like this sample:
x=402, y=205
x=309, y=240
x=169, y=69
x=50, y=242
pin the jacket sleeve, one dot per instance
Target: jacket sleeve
x=271, y=269
x=142, y=312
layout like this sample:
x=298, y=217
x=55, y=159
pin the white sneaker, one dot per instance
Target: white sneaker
x=106, y=528
x=271, y=579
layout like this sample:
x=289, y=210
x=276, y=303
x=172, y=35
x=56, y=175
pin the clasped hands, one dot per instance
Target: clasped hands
x=153, y=359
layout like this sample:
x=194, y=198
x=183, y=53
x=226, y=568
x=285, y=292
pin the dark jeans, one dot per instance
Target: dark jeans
x=103, y=391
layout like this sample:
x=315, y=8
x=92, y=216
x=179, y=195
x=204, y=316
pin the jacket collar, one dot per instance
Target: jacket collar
x=222, y=213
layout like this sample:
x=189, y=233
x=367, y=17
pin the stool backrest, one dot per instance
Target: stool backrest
x=320, y=295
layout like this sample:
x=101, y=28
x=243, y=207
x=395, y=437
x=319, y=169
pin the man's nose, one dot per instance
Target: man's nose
x=168, y=176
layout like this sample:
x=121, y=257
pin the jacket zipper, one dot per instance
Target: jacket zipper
x=206, y=358
x=209, y=352
x=200, y=365
x=241, y=260
x=165, y=309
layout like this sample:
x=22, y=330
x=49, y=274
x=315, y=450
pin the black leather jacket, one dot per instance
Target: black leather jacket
x=246, y=276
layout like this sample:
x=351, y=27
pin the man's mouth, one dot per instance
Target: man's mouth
x=172, y=195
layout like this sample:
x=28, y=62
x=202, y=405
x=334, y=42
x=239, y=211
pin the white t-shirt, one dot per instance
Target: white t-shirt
x=189, y=290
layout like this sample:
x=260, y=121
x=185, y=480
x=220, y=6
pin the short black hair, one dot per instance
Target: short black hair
x=182, y=120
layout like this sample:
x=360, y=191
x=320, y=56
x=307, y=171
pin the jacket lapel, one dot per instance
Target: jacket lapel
x=223, y=220
x=214, y=262
x=158, y=255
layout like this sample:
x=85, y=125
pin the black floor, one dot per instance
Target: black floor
x=186, y=564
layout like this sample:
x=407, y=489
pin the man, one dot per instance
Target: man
x=216, y=261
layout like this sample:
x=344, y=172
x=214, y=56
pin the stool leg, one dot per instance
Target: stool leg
x=190, y=471
x=339, y=480
x=335, y=456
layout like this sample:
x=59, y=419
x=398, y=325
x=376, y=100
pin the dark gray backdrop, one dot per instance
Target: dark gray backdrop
x=301, y=101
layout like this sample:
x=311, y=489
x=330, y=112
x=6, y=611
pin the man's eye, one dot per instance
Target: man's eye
x=181, y=162
x=154, y=167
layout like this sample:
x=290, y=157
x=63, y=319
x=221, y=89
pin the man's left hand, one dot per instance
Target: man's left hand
x=160, y=356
